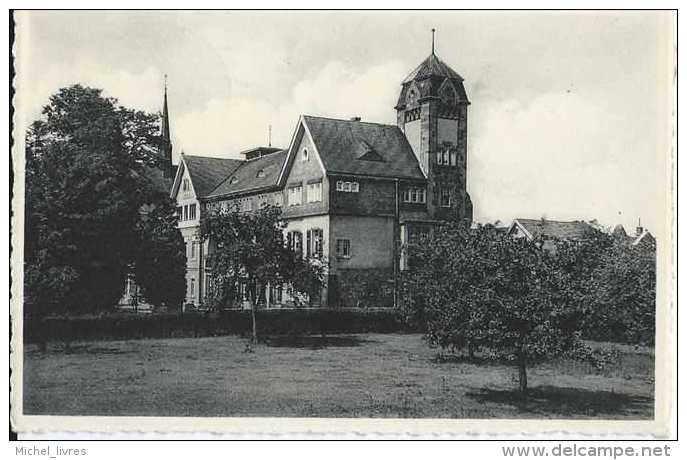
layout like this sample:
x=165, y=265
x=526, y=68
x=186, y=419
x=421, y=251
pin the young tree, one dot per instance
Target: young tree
x=85, y=186
x=250, y=249
x=482, y=288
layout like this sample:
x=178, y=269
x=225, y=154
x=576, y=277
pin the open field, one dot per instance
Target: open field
x=363, y=375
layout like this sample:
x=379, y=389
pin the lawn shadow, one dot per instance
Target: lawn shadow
x=566, y=402
x=314, y=342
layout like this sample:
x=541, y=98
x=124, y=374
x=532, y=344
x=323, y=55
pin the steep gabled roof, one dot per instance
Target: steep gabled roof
x=253, y=174
x=341, y=142
x=574, y=230
x=208, y=172
x=644, y=237
x=432, y=67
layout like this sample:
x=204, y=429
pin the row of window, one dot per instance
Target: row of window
x=447, y=158
x=349, y=187
x=314, y=243
x=313, y=194
x=414, y=195
x=186, y=212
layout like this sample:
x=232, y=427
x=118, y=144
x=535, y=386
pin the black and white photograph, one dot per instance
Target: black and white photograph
x=418, y=221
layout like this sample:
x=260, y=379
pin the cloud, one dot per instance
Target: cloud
x=234, y=123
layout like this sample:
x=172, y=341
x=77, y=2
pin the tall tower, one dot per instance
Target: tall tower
x=166, y=144
x=432, y=111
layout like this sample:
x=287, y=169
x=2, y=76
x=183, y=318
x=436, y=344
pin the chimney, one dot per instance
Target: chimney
x=639, y=229
x=355, y=118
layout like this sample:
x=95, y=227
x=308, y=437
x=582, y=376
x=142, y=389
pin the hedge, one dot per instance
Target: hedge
x=238, y=322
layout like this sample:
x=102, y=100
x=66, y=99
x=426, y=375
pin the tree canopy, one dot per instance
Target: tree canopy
x=249, y=248
x=483, y=289
x=85, y=186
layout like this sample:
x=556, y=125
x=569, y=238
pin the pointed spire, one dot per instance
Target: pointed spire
x=166, y=147
x=433, y=31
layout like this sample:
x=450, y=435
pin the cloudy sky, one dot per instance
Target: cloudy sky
x=570, y=114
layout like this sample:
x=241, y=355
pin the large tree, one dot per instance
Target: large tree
x=249, y=248
x=86, y=160
x=483, y=289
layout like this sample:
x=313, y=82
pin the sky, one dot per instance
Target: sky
x=570, y=115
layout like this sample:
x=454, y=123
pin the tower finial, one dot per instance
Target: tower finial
x=433, y=30
x=165, y=83
x=269, y=137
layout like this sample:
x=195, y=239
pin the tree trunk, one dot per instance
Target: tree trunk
x=522, y=371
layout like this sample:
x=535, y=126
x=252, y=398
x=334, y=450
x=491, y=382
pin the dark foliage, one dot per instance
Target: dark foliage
x=290, y=322
x=85, y=186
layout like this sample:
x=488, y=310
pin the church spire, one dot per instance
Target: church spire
x=433, y=30
x=166, y=147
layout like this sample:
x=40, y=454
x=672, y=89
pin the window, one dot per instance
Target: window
x=314, y=241
x=260, y=173
x=192, y=287
x=304, y=155
x=314, y=192
x=186, y=212
x=295, y=195
x=192, y=250
x=186, y=185
x=278, y=200
x=295, y=242
x=180, y=213
x=348, y=187
x=445, y=198
x=192, y=212
x=447, y=157
x=233, y=180
x=343, y=248
x=414, y=195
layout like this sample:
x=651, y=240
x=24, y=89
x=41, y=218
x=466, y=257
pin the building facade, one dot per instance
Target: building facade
x=351, y=192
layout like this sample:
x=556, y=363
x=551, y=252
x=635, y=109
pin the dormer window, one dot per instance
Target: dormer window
x=233, y=180
x=260, y=173
x=304, y=155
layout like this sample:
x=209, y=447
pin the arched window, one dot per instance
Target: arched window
x=304, y=155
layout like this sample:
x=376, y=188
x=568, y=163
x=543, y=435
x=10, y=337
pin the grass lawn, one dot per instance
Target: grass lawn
x=363, y=375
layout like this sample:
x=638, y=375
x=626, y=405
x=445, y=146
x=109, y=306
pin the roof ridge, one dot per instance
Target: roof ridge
x=551, y=220
x=210, y=157
x=351, y=121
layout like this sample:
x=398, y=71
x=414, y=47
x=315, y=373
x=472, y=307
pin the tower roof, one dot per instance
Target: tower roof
x=432, y=67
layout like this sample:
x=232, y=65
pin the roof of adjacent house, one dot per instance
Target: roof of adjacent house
x=361, y=148
x=644, y=237
x=432, y=66
x=252, y=174
x=208, y=172
x=555, y=229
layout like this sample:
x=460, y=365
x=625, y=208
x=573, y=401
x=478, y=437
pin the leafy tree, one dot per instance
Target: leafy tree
x=483, y=289
x=85, y=185
x=622, y=294
x=250, y=248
